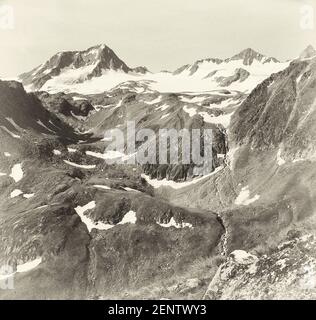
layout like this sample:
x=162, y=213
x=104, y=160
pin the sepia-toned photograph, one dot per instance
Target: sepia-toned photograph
x=157, y=150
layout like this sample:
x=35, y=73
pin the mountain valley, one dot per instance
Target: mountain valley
x=74, y=226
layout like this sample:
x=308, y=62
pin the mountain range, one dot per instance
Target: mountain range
x=98, y=69
x=75, y=227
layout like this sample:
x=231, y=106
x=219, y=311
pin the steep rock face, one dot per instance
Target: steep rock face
x=280, y=110
x=34, y=119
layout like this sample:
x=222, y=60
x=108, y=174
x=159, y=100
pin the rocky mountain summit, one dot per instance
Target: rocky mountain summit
x=248, y=56
x=77, y=66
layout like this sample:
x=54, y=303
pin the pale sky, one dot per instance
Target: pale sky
x=159, y=34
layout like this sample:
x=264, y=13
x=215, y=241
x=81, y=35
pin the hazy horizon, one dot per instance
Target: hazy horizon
x=159, y=35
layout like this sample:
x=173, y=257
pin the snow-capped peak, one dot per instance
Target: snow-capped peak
x=245, y=58
x=248, y=56
x=83, y=65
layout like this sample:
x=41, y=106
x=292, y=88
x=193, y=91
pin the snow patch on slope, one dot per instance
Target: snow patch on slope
x=82, y=166
x=101, y=187
x=15, y=193
x=129, y=217
x=280, y=161
x=28, y=266
x=243, y=197
x=17, y=172
x=173, y=223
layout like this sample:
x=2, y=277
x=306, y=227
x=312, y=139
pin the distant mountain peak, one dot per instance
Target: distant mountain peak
x=245, y=58
x=308, y=52
x=249, y=55
x=248, y=52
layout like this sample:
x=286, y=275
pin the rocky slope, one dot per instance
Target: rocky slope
x=93, y=231
x=287, y=272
